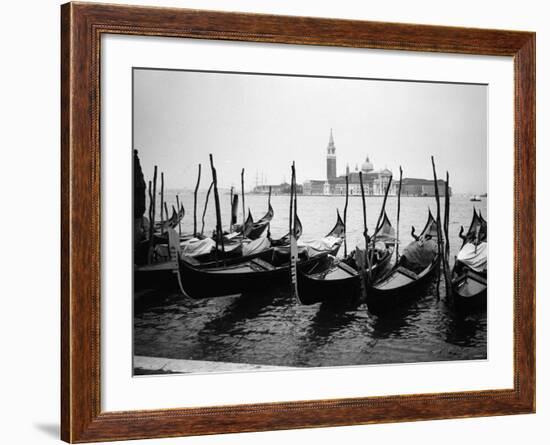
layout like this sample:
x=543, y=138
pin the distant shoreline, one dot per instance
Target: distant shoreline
x=351, y=196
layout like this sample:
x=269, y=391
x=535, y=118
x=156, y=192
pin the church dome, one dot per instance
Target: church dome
x=367, y=166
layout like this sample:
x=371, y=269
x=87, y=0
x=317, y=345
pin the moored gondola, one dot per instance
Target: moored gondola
x=163, y=273
x=253, y=230
x=469, y=277
x=205, y=253
x=170, y=223
x=412, y=272
x=270, y=267
x=237, y=246
x=285, y=240
x=337, y=280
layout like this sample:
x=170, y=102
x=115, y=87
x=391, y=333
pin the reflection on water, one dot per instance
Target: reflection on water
x=270, y=328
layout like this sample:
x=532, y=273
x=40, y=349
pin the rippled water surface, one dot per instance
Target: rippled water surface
x=272, y=329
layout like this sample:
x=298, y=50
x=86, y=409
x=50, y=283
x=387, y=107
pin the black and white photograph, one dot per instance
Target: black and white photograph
x=287, y=221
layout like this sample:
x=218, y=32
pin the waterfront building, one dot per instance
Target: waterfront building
x=374, y=181
x=423, y=187
x=276, y=189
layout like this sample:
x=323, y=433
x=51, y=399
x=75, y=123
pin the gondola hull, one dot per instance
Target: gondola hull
x=210, y=260
x=397, y=288
x=470, y=291
x=241, y=277
x=160, y=276
x=336, y=283
x=340, y=283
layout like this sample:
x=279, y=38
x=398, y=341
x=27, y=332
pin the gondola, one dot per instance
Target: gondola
x=469, y=276
x=285, y=240
x=238, y=245
x=337, y=280
x=253, y=230
x=237, y=249
x=477, y=232
x=170, y=223
x=315, y=246
x=160, y=236
x=402, y=283
x=271, y=267
x=164, y=273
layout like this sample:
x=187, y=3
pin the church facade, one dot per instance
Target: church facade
x=374, y=181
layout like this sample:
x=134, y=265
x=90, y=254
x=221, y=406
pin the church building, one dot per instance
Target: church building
x=374, y=181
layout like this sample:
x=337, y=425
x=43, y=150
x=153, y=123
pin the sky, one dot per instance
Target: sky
x=264, y=122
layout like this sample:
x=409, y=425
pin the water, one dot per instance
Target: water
x=270, y=328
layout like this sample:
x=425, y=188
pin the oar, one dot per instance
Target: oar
x=206, y=206
x=382, y=211
x=219, y=233
x=346, y=218
x=195, y=204
x=398, y=213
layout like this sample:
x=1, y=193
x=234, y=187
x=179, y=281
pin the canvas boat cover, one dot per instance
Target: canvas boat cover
x=256, y=246
x=196, y=247
x=421, y=253
x=475, y=257
x=317, y=246
x=232, y=235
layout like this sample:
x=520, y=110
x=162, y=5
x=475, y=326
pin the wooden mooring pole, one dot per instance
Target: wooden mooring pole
x=382, y=211
x=195, y=203
x=242, y=195
x=162, y=201
x=362, y=256
x=219, y=232
x=346, y=219
x=448, y=285
x=398, y=214
x=439, y=231
x=179, y=210
x=206, y=206
x=153, y=199
x=293, y=240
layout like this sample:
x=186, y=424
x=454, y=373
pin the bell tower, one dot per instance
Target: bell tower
x=331, y=158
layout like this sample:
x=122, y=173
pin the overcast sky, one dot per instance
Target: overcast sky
x=264, y=122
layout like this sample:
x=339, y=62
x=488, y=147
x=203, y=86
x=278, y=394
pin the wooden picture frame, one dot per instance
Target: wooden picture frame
x=82, y=26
